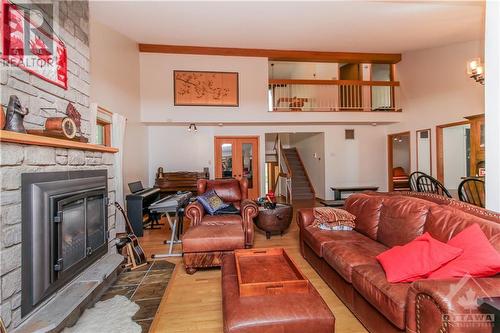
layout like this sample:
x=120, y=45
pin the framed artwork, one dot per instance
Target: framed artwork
x=29, y=43
x=196, y=88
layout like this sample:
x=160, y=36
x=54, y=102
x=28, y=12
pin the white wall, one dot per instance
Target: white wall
x=493, y=105
x=435, y=90
x=157, y=94
x=347, y=162
x=114, y=66
x=311, y=148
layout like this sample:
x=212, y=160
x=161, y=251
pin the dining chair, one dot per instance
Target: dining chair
x=471, y=190
x=428, y=184
x=413, y=180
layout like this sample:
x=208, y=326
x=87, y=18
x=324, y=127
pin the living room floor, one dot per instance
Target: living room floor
x=193, y=303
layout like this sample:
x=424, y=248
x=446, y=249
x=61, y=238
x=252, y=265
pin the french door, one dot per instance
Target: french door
x=238, y=157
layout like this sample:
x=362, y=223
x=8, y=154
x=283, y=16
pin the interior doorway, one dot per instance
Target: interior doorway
x=238, y=157
x=453, y=154
x=398, y=161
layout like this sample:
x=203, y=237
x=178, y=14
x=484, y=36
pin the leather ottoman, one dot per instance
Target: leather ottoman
x=205, y=245
x=285, y=313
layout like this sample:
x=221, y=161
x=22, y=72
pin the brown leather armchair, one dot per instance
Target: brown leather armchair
x=209, y=237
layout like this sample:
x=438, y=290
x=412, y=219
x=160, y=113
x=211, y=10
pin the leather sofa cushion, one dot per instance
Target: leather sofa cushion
x=208, y=238
x=444, y=222
x=366, y=208
x=222, y=219
x=388, y=298
x=401, y=220
x=227, y=190
x=316, y=238
x=344, y=256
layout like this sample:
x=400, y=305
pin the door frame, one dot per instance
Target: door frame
x=255, y=155
x=439, y=147
x=390, y=157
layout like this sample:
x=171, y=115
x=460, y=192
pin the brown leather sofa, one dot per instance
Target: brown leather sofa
x=209, y=237
x=346, y=261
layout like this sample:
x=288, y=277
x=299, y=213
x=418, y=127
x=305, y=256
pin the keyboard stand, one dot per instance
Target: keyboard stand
x=174, y=238
x=175, y=223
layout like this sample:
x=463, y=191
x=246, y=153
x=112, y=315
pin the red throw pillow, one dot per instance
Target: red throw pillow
x=417, y=259
x=479, y=259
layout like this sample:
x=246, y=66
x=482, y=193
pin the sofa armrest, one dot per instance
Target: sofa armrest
x=447, y=305
x=305, y=217
x=249, y=210
x=195, y=212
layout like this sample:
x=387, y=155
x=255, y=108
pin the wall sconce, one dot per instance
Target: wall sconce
x=192, y=127
x=475, y=69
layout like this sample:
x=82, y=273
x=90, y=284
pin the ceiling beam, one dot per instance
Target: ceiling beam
x=276, y=55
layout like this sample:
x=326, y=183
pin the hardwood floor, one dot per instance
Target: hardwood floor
x=193, y=303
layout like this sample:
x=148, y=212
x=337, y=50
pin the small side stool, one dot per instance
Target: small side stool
x=274, y=220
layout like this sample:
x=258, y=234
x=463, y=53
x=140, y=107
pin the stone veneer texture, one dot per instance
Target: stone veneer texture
x=44, y=100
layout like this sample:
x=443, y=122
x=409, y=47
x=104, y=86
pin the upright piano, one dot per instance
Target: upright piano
x=137, y=205
x=172, y=182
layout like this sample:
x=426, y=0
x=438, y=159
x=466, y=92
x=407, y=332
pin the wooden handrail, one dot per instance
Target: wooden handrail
x=286, y=161
x=335, y=82
x=282, y=175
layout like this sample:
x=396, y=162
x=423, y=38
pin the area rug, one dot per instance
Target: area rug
x=112, y=316
x=142, y=290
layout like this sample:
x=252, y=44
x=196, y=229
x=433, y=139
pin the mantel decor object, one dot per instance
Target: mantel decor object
x=67, y=128
x=2, y=118
x=15, y=115
x=197, y=88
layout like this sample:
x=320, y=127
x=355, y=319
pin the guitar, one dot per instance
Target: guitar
x=138, y=252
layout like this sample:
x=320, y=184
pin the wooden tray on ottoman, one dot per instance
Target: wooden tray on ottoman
x=268, y=272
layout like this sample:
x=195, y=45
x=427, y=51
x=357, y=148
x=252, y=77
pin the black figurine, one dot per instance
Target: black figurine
x=15, y=115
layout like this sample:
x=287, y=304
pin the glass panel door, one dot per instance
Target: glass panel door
x=238, y=157
x=227, y=160
x=225, y=155
x=246, y=161
x=248, y=166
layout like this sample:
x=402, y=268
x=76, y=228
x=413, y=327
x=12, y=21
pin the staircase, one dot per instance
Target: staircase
x=302, y=188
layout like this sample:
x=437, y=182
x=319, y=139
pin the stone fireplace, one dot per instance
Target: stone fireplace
x=65, y=229
x=36, y=167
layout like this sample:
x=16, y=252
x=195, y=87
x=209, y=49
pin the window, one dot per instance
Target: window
x=103, y=132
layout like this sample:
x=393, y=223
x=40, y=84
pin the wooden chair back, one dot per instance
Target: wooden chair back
x=428, y=184
x=471, y=190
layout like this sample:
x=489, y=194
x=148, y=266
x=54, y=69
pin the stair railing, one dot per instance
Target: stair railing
x=285, y=170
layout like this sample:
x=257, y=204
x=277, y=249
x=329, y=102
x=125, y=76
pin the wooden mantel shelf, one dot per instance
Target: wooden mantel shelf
x=37, y=140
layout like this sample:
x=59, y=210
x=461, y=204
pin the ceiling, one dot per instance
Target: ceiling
x=349, y=26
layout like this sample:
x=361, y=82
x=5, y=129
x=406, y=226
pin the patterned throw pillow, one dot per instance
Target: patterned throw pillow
x=328, y=218
x=211, y=202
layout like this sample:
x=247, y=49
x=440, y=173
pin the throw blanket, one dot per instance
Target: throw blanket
x=333, y=219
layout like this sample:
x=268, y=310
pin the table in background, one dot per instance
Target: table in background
x=338, y=201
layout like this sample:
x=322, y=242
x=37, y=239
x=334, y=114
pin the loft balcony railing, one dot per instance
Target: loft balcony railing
x=331, y=95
